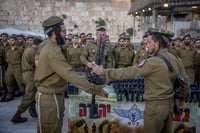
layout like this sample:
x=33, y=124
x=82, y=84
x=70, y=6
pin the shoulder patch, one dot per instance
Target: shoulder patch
x=142, y=63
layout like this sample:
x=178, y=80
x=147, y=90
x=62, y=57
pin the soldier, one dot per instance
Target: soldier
x=2, y=75
x=21, y=41
x=73, y=53
x=188, y=55
x=158, y=92
x=51, y=74
x=178, y=43
x=14, y=70
x=83, y=39
x=28, y=68
x=89, y=54
x=124, y=56
x=4, y=40
x=29, y=40
x=197, y=62
x=142, y=51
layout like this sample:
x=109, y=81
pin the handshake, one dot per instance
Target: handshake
x=97, y=69
x=97, y=79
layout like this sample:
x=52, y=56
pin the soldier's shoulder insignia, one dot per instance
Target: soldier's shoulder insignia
x=141, y=63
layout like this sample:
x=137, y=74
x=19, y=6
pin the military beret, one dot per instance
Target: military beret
x=51, y=21
x=100, y=28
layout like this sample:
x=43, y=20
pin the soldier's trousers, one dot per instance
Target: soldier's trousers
x=2, y=79
x=50, y=112
x=30, y=91
x=158, y=116
x=14, y=73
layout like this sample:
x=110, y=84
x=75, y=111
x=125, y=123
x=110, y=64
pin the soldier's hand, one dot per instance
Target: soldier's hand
x=103, y=93
x=89, y=65
x=97, y=69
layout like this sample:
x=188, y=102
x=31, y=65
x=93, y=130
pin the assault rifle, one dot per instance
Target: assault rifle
x=96, y=79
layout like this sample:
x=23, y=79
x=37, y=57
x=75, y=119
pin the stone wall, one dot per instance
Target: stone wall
x=79, y=15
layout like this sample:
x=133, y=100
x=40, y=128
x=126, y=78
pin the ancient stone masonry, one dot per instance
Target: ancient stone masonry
x=79, y=15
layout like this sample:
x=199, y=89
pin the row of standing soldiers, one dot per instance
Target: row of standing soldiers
x=80, y=54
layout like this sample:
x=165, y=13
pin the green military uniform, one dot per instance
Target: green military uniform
x=51, y=75
x=140, y=55
x=158, y=92
x=197, y=68
x=124, y=57
x=28, y=68
x=90, y=51
x=2, y=74
x=188, y=57
x=14, y=70
x=41, y=45
x=73, y=57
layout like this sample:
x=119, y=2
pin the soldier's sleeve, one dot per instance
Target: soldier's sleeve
x=59, y=65
x=196, y=59
x=109, y=61
x=116, y=56
x=128, y=72
x=185, y=89
x=84, y=56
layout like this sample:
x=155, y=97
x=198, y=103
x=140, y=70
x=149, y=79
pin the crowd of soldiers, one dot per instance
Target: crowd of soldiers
x=80, y=51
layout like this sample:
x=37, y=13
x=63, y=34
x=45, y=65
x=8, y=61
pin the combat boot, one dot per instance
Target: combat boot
x=9, y=97
x=17, y=117
x=32, y=111
x=3, y=97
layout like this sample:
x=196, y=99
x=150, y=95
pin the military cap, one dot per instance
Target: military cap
x=126, y=37
x=122, y=35
x=100, y=28
x=161, y=31
x=52, y=21
x=4, y=34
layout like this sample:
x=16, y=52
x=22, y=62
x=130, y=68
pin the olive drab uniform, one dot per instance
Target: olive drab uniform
x=90, y=51
x=28, y=69
x=124, y=57
x=158, y=89
x=14, y=70
x=197, y=68
x=51, y=76
x=2, y=71
x=140, y=55
x=41, y=45
x=73, y=58
x=188, y=57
